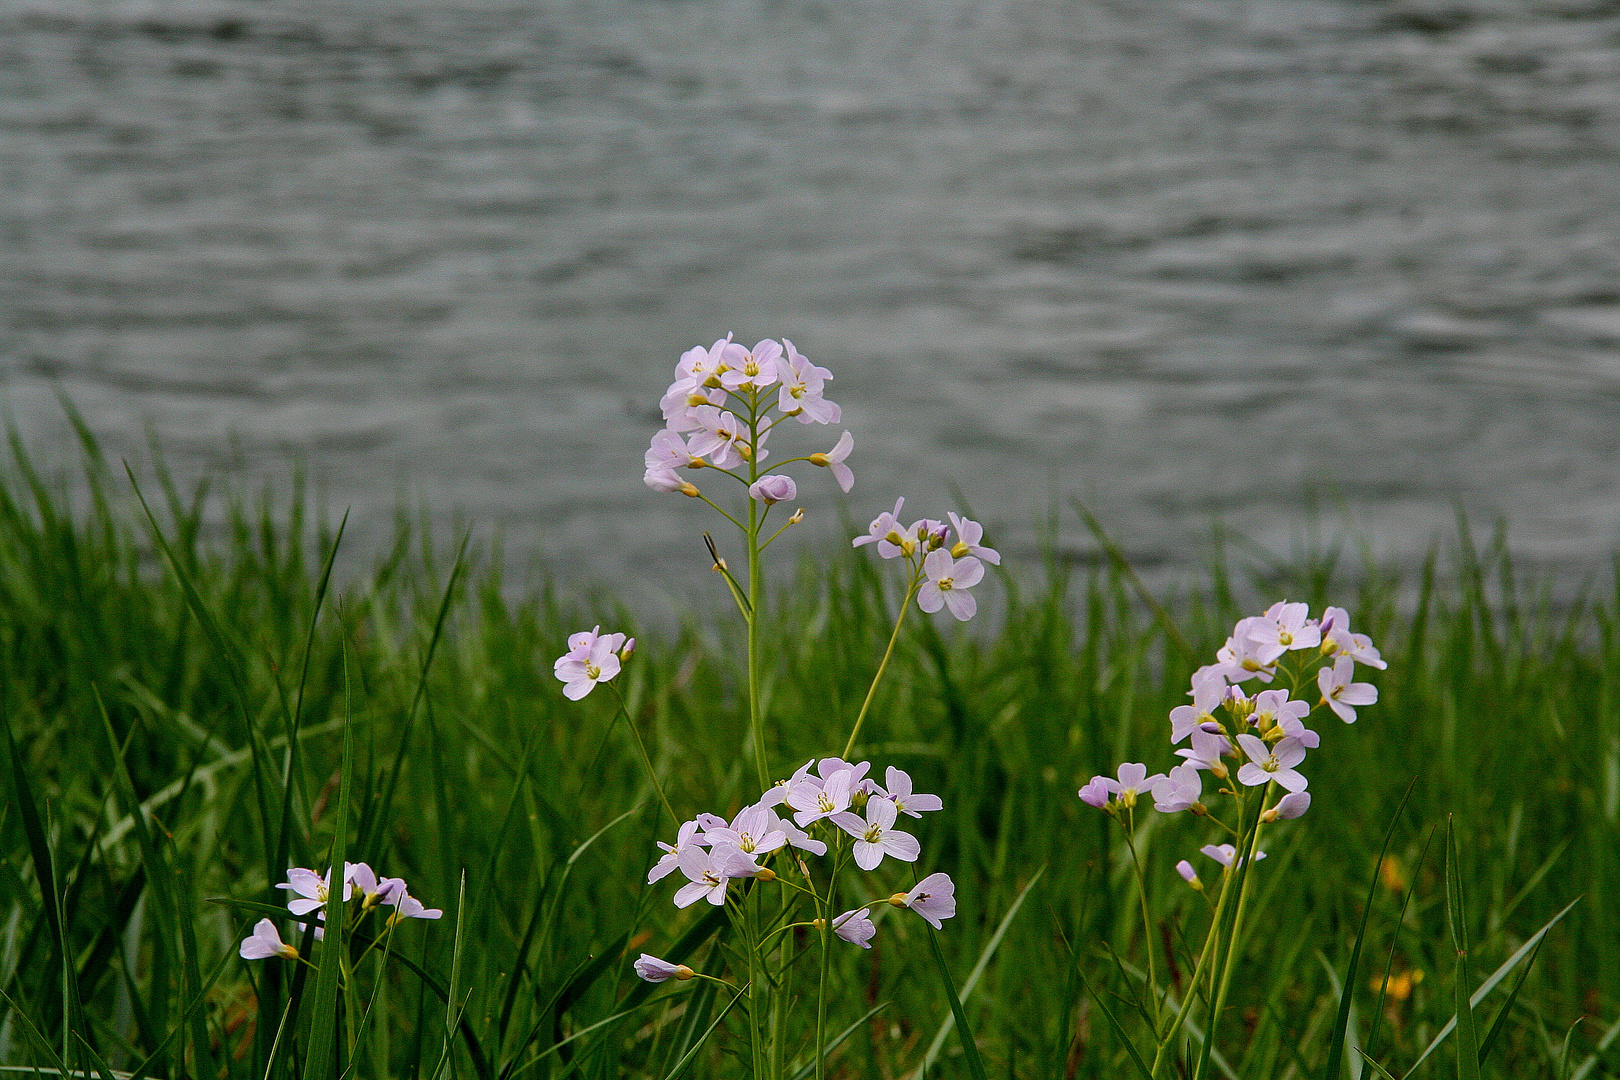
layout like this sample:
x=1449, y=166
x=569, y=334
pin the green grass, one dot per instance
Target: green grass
x=209, y=676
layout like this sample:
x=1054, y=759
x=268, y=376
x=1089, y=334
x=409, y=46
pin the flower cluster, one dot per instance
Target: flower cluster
x=827, y=802
x=722, y=407
x=592, y=657
x=942, y=571
x=314, y=893
x=1252, y=741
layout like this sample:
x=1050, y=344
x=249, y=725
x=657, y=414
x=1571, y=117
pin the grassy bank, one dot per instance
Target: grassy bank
x=210, y=684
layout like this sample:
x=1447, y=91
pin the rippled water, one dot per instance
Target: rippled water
x=1181, y=259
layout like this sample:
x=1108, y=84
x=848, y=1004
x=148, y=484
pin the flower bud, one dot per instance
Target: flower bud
x=1189, y=875
x=628, y=650
x=898, y=899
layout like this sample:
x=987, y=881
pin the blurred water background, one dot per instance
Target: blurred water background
x=1348, y=259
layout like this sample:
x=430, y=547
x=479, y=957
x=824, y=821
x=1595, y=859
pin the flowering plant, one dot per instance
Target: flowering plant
x=721, y=409
x=1252, y=745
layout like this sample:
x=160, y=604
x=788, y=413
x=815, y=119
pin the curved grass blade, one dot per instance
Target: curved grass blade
x=1507, y=1007
x=686, y=1059
x=1491, y=983
x=1341, y=1024
x=1119, y=1030
x=970, y=1048
x=978, y=970
x=832, y=1044
x=1457, y=919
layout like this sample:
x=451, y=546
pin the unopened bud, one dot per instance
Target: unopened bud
x=798, y=516
x=694, y=400
x=628, y=650
x=689, y=489
x=765, y=873
x=745, y=451
x=907, y=546
x=818, y=923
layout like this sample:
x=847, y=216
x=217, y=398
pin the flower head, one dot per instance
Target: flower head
x=1289, y=806
x=1208, y=688
x=312, y=889
x=756, y=368
x=834, y=460
x=600, y=662
x=774, y=488
x=654, y=970
x=886, y=532
x=876, y=837
x=1340, y=694
x=1272, y=763
x=801, y=389
x=751, y=832
x=1133, y=781
x=855, y=927
x=1179, y=791
x=948, y=583
x=687, y=836
x=898, y=785
x=969, y=533
x=934, y=898
x=708, y=873
x=265, y=942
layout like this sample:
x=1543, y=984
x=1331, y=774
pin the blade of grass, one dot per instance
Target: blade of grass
x=972, y=982
x=1457, y=920
x=1491, y=983
x=1341, y=1024
x=1119, y=1030
x=832, y=1044
x=686, y=1059
x=321, y=1061
x=970, y=1048
x=1507, y=1006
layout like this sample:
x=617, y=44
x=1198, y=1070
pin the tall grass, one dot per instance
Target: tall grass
x=178, y=700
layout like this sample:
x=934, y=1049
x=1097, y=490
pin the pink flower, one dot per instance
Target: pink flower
x=312, y=889
x=1133, y=781
x=934, y=898
x=1095, y=793
x=968, y=537
x=667, y=454
x=800, y=395
x=1289, y=626
x=886, y=532
x=654, y=970
x=1340, y=693
x=756, y=368
x=265, y=942
x=899, y=792
x=855, y=927
x=580, y=674
x=1276, y=763
x=834, y=460
x=774, y=488
x=948, y=582
x=1179, y=791
x=1289, y=806
x=686, y=837
x=816, y=800
x=751, y=832
x=876, y=837
x=709, y=872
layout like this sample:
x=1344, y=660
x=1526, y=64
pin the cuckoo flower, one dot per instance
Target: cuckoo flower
x=855, y=927
x=750, y=832
x=934, y=898
x=708, y=873
x=1289, y=806
x=876, y=837
x=1272, y=763
x=834, y=460
x=686, y=837
x=1133, y=781
x=654, y=970
x=969, y=535
x=898, y=785
x=774, y=488
x=814, y=801
x=801, y=393
x=1224, y=853
x=265, y=942
x=756, y=368
x=1208, y=688
x=312, y=889
x=579, y=675
x=948, y=582
x=1272, y=708
x=886, y=532
x=1208, y=747
x=1340, y=693
x=1288, y=626
x=1179, y=791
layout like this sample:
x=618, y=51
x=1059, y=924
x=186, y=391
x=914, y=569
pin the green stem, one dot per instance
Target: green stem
x=1238, y=874
x=1147, y=922
x=871, y=692
x=1204, y=956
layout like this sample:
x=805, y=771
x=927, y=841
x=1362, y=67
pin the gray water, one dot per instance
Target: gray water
x=1183, y=260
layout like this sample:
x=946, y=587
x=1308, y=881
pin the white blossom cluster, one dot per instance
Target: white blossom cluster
x=1256, y=740
x=818, y=802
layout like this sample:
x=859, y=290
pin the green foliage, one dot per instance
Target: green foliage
x=176, y=688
